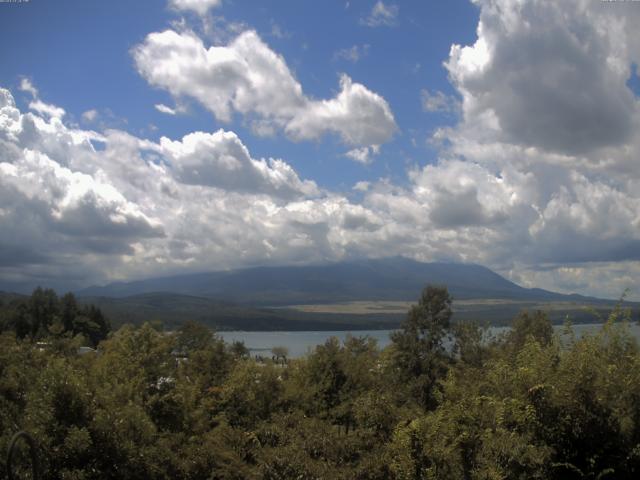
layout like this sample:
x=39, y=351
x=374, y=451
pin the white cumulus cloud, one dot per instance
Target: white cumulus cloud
x=247, y=77
x=221, y=160
x=551, y=76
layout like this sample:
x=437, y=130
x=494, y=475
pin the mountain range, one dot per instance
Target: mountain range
x=396, y=278
x=355, y=295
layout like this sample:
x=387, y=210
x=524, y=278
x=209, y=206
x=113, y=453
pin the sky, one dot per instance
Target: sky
x=157, y=137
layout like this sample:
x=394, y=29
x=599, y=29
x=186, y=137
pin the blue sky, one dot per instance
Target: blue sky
x=78, y=53
x=155, y=137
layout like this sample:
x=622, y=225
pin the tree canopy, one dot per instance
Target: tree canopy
x=444, y=400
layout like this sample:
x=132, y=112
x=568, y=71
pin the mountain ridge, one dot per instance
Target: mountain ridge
x=353, y=295
x=394, y=278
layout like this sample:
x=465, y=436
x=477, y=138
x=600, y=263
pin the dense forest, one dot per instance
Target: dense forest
x=44, y=316
x=443, y=401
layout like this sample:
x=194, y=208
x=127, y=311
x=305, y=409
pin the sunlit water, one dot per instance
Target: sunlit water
x=301, y=343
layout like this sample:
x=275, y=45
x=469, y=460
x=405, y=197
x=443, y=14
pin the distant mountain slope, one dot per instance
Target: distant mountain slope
x=395, y=278
x=171, y=310
x=174, y=309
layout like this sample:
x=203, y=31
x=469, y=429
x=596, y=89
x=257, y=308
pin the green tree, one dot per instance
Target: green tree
x=252, y=392
x=525, y=325
x=239, y=350
x=280, y=354
x=192, y=336
x=472, y=343
x=323, y=377
x=20, y=320
x=68, y=311
x=44, y=309
x=419, y=350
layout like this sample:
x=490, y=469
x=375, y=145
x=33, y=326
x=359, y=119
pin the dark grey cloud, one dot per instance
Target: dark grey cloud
x=452, y=210
x=12, y=255
x=32, y=233
x=89, y=219
x=566, y=246
x=356, y=221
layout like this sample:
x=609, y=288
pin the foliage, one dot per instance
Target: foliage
x=443, y=401
x=44, y=315
x=420, y=356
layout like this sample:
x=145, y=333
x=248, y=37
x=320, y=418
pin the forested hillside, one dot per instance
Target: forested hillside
x=188, y=406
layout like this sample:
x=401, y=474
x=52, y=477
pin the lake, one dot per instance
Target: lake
x=300, y=343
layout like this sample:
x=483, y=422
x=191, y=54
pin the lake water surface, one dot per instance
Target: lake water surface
x=300, y=343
